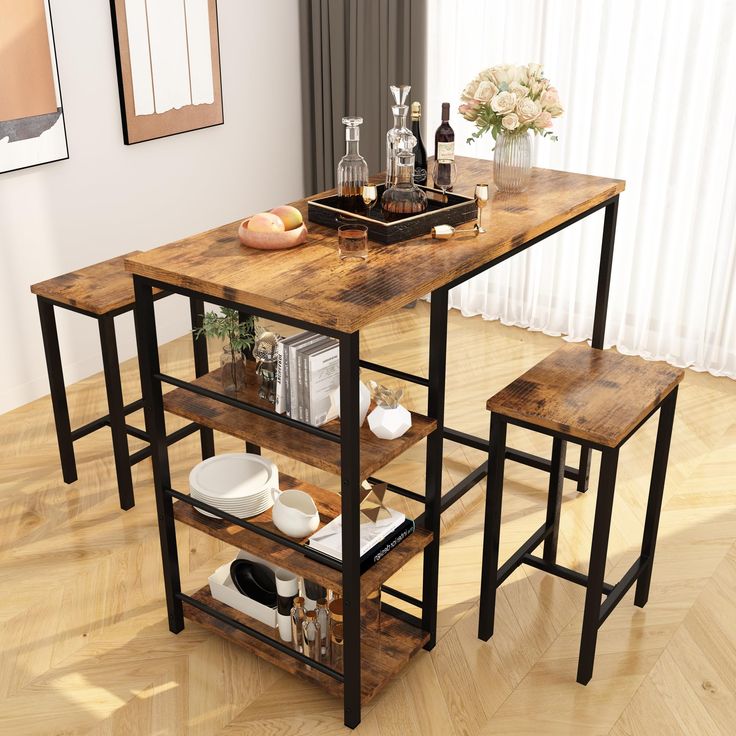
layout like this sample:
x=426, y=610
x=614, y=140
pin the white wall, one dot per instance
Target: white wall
x=109, y=198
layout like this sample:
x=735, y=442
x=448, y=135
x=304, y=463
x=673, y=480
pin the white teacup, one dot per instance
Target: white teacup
x=294, y=513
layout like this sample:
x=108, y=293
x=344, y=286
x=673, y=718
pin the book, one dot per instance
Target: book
x=382, y=548
x=303, y=351
x=328, y=539
x=323, y=377
x=280, y=407
x=292, y=369
x=283, y=388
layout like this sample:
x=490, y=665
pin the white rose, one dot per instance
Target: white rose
x=486, y=90
x=510, y=121
x=519, y=90
x=503, y=102
x=534, y=71
x=549, y=98
x=469, y=91
x=505, y=74
x=528, y=110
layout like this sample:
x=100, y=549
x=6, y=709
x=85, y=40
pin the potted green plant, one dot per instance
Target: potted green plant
x=238, y=338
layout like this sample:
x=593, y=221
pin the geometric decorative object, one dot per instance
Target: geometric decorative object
x=168, y=61
x=32, y=130
x=372, y=508
x=389, y=424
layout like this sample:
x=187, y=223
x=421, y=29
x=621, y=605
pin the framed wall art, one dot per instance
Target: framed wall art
x=32, y=129
x=168, y=60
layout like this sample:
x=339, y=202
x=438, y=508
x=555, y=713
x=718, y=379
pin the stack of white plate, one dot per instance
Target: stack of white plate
x=239, y=483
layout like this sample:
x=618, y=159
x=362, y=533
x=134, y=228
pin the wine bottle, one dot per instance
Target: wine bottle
x=444, y=148
x=420, y=152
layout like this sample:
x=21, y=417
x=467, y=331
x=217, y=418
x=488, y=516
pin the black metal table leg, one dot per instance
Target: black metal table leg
x=145, y=327
x=601, y=311
x=656, y=491
x=201, y=368
x=492, y=527
x=116, y=408
x=350, y=501
x=249, y=446
x=597, y=566
x=58, y=390
x=433, y=481
x=554, y=498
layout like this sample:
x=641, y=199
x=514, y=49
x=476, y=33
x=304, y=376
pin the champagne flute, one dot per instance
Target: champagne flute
x=444, y=173
x=369, y=193
x=481, y=200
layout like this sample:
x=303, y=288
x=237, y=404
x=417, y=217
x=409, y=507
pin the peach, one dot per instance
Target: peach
x=290, y=216
x=266, y=222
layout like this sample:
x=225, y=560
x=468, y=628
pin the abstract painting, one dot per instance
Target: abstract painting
x=32, y=127
x=168, y=59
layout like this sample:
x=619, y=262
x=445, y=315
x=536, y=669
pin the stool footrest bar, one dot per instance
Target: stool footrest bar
x=621, y=588
x=518, y=557
x=398, y=490
x=386, y=371
x=402, y=615
x=179, y=434
x=565, y=573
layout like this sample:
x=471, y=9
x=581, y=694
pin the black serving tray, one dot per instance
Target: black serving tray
x=388, y=228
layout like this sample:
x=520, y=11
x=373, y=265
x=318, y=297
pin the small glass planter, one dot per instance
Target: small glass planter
x=232, y=363
x=512, y=161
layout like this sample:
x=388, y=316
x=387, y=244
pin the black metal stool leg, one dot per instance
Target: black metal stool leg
x=121, y=453
x=597, y=567
x=58, y=390
x=492, y=527
x=554, y=498
x=201, y=368
x=656, y=491
x=584, y=469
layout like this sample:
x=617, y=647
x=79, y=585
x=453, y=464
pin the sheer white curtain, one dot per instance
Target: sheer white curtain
x=649, y=90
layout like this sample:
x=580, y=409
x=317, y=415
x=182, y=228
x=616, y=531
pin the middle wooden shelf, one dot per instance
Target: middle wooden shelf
x=321, y=453
x=328, y=505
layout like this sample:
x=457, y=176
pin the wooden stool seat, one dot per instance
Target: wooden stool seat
x=598, y=396
x=597, y=399
x=96, y=290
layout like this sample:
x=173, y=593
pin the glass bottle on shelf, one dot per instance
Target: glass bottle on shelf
x=352, y=171
x=404, y=197
x=297, y=619
x=312, y=636
x=335, y=608
x=323, y=617
x=397, y=137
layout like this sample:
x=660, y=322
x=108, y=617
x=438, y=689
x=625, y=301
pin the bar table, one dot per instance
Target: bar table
x=309, y=288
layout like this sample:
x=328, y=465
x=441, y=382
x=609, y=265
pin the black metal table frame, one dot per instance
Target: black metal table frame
x=349, y=440
x=117, y=410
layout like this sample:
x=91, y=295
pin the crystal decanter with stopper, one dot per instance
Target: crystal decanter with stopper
x=397, y=138
x=405, y=197
x=352, y=171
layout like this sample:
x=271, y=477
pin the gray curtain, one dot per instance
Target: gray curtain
x=351, y=51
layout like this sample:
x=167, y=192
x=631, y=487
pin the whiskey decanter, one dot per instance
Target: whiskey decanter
x=352, y=171
x=397, y=138
x=405, y=197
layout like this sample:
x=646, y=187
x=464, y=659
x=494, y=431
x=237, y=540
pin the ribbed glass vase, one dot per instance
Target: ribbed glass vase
x=512, y=161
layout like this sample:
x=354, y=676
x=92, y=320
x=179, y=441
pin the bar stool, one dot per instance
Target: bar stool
x=104, y=291
x=597, y=399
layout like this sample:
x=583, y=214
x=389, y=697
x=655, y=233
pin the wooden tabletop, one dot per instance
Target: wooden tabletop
x=310, y=283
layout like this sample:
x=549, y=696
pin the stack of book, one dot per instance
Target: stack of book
x=377, y=538
x=307, y=371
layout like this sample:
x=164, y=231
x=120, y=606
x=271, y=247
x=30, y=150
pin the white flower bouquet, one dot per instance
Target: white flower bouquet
x=511, y=99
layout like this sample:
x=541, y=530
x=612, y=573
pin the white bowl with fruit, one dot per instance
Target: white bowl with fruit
x=282, y=227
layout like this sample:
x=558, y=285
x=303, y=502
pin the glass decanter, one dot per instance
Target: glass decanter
x=397, y=138
x=405, y=197
x=352, y=171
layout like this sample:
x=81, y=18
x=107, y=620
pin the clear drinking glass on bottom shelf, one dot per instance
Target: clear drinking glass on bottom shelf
x=352, y=242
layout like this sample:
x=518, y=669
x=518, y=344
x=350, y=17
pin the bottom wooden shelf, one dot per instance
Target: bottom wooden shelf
x=384, y=654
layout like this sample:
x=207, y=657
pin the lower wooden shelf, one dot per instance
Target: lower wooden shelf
x=384, y=652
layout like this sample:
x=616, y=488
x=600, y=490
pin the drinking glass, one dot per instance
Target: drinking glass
x=369, y=192
x=352, y=242
x=444, y=174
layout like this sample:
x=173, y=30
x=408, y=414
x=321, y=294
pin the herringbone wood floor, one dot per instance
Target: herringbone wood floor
x=84, y=642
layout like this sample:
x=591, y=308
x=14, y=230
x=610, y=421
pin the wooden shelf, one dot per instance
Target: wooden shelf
x=291, y=441
x=328, y=505
x=384, y=653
